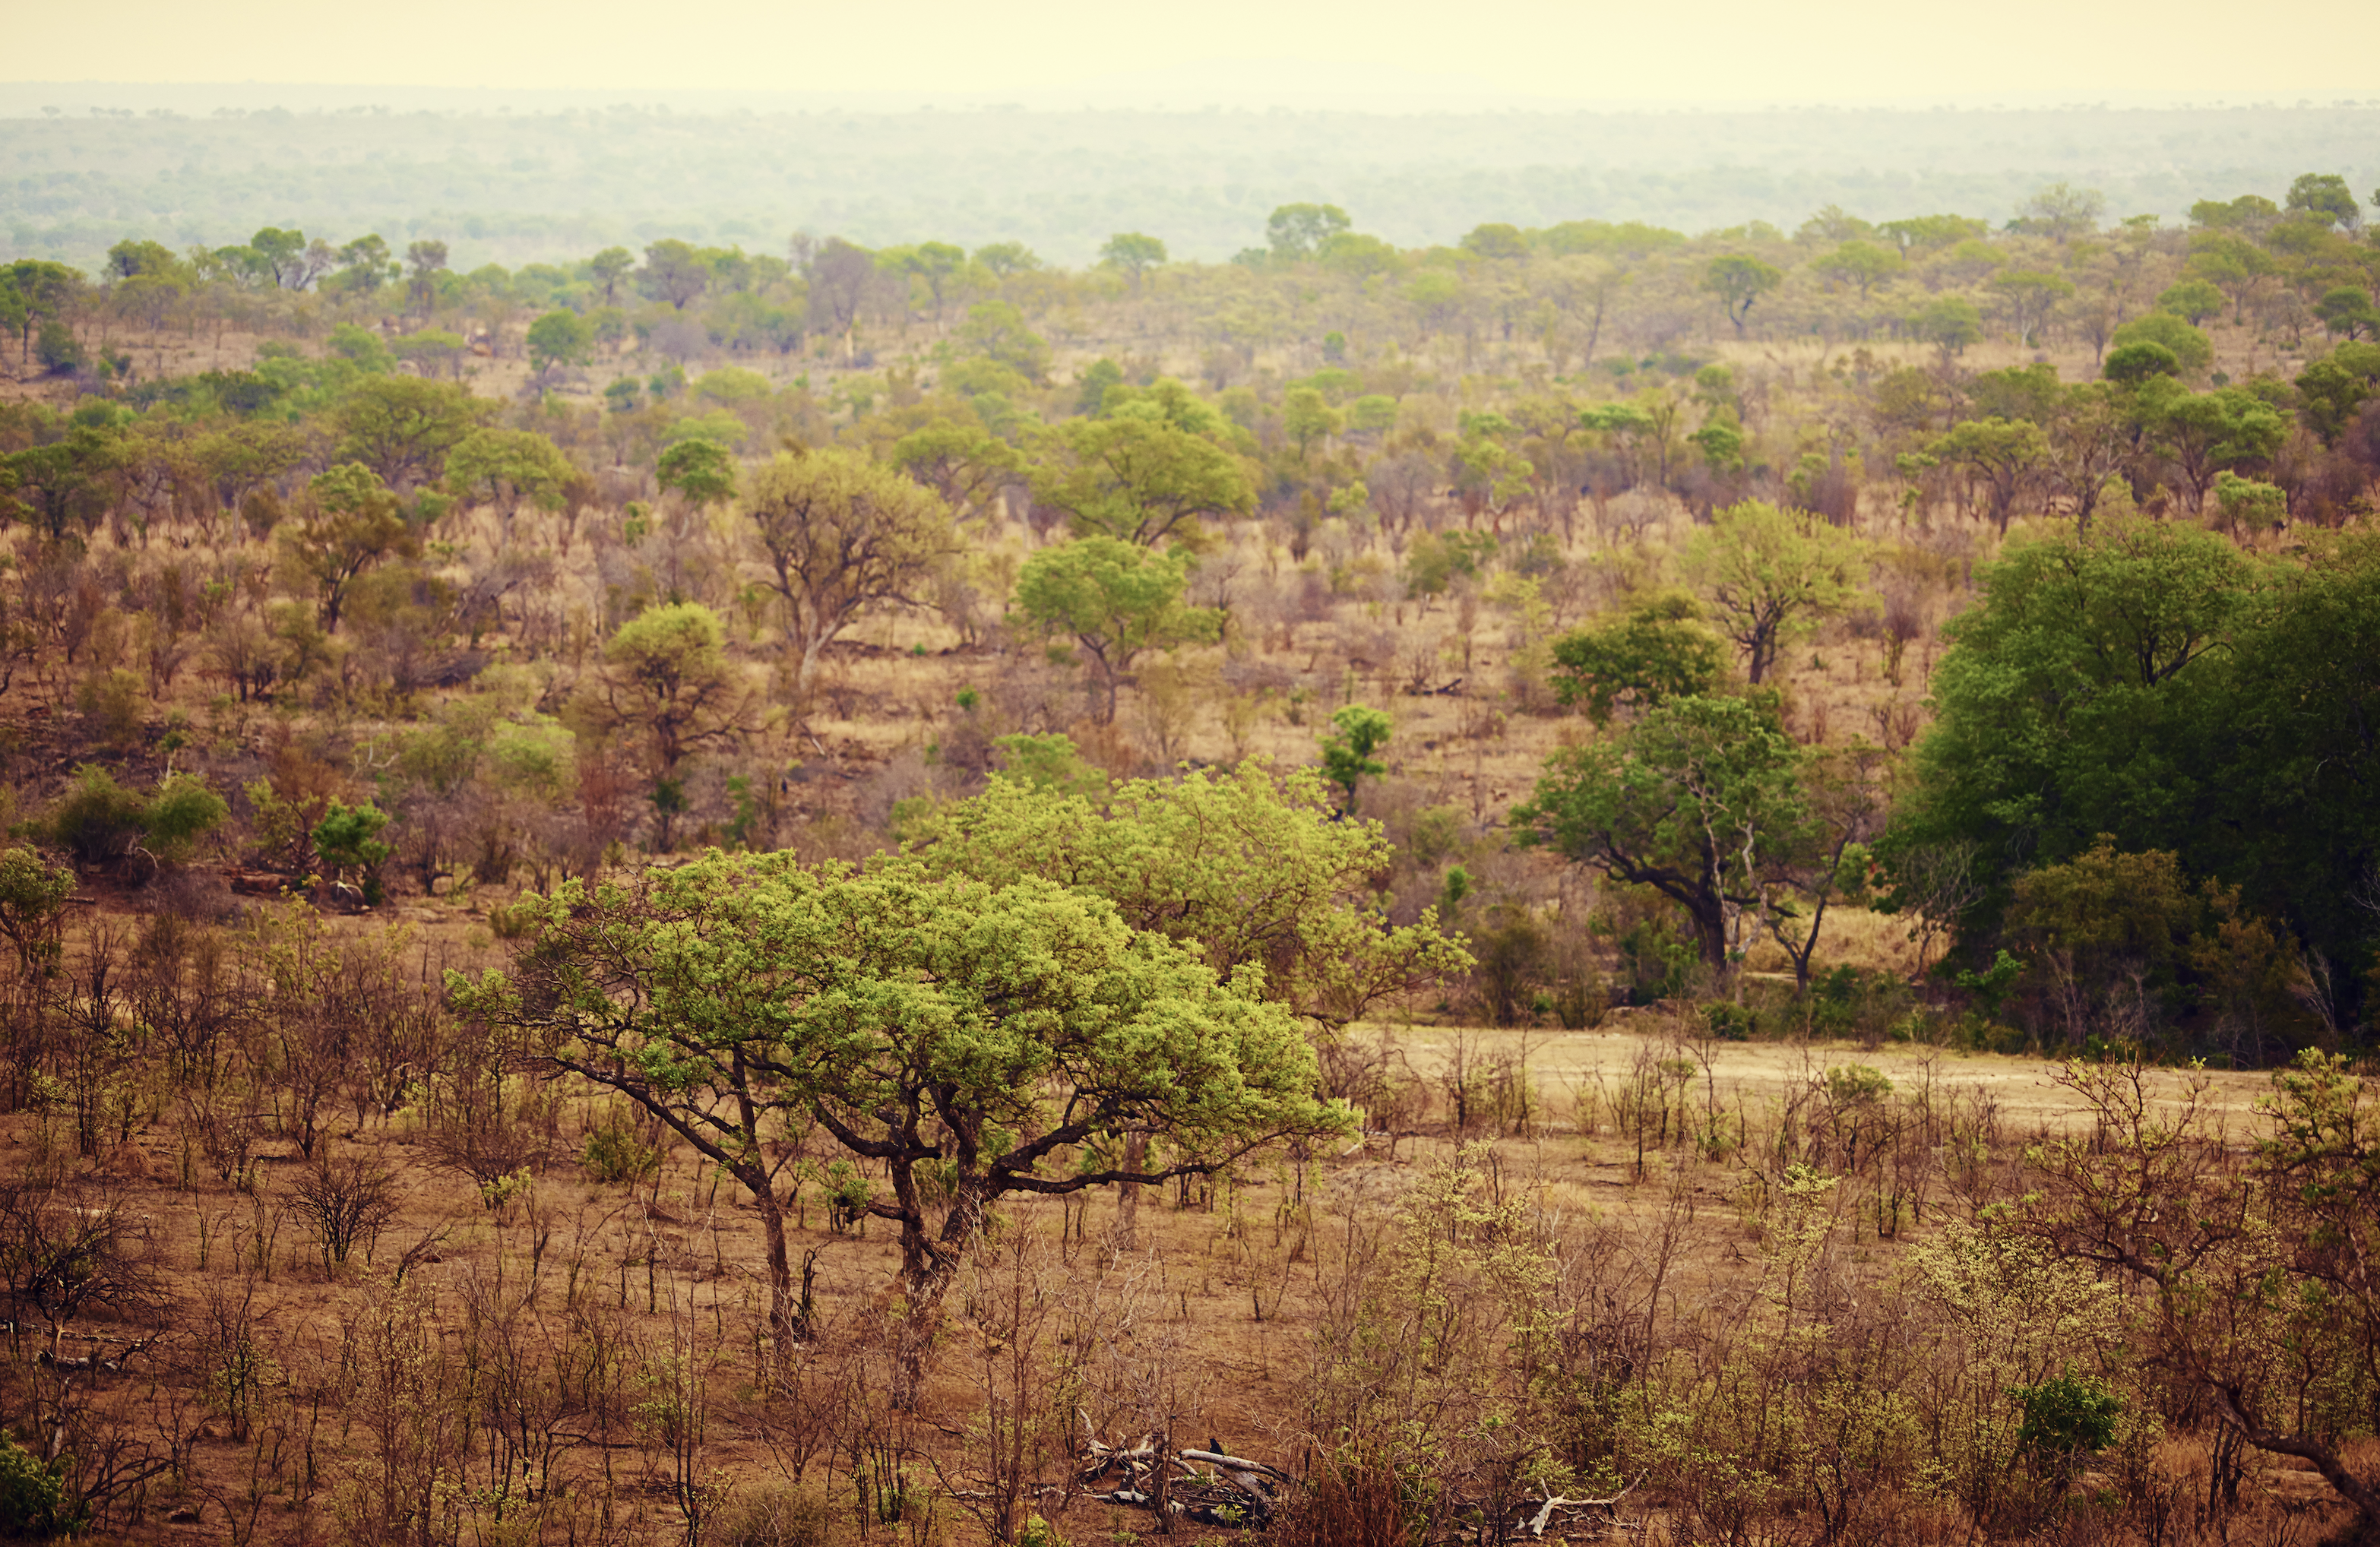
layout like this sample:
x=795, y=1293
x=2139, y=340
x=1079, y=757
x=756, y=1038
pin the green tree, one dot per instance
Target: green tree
x=1252, y=868
x=2192, y=348
x=1657, y=652
x=33, y=895
x=675, y=272
x=974, y=1041
x=2233, y=265
x=1770, y=575
x=610, y=267
x=1737, y=281
x=348, y=840
x=402, y=427
x=349, y=522
x=2073, y=701
x=1114, y=598
x=1863, y=265
x=2128, y=365
x=1137, y=479
x=1133, y=253
x=2332, y=392
x=2193, y=300
x=1701, y=800
x=1498, y=241
x=99, y=821
x=840, y=533
x=559, y=338
x=2206, y=434
x=2005, y=456
x=68, y=483
x=1949, y=323
x=1306, y=417
x=2031, y=296
x=1003, y=259
x=1347, y=756
x=995, y=331
x=2063, y=212
x=2346, y=311
x=2327, y=197
x=1296, y=232
x=667, y=670
x=510, y=467
x=699, y=470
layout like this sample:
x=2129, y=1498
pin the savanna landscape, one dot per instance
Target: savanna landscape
x=1590, y=883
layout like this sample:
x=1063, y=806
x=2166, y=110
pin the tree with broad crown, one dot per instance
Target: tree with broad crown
x=1249, y=868
x=699, y=468
x=1737, y=281
x=841, y=534
x=2062, y=211
x=2193, y=300
x=667, y=670
x=1949, y=323
x=1770, y=575
x=2005, y=454
x=975, y=1040
x=610, y=267
x=675, y=272
x=402, y=427
x=1701, y=800
x=1113, y=599
x=1862, y=264
x=1657, y=651
x=1137, y=477
x=351, y=523
x=1133, y=253
x=2066, y=704
x=2205, y=433
x=964, y=463
x=1296, y=232
x=510, y=468
x=2326, y=197
x=558, y=338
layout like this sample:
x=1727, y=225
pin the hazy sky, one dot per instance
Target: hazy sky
x=1105, y=51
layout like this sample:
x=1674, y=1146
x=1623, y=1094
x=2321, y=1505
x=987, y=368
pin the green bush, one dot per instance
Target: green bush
x=183, y=811
x=32, y=1499
x=613, y=1154
x=2066, y=1418
x=97, y=820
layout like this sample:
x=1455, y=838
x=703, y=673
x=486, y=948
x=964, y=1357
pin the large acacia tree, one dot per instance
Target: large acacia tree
x=974, y=1041
x=840, y=533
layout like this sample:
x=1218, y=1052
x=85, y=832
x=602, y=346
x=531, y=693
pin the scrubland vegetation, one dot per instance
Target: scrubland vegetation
x=1593, y=884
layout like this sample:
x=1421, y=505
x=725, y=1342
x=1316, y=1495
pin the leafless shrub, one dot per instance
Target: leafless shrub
x=346, y=1204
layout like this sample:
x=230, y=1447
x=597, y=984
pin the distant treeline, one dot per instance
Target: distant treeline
x=540, y=185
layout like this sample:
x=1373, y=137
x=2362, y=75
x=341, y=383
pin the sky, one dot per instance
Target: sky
x=1378, y=54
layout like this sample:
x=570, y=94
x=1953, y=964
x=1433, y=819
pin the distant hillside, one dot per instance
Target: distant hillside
x=513, y=186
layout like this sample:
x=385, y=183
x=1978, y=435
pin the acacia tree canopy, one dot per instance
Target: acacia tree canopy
x=1252, y=867
x=841, y=533
x=967, y=1037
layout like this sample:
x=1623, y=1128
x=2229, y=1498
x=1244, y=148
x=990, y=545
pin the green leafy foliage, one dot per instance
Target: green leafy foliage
x=1347, y=758
x=1657, y=652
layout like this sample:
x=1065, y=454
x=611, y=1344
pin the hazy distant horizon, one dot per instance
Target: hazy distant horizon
x=519, y=175
x=1253, y=85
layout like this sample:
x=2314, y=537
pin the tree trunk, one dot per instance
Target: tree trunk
x=1135, y=1154
x=785, y=1319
